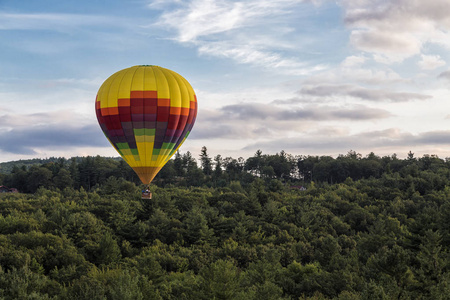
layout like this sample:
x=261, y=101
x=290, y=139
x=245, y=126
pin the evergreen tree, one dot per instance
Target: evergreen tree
x=205, y=161
x=178, y=164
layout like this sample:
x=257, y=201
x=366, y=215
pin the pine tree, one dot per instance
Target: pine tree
x=205, y=161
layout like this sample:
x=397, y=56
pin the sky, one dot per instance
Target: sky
x=310, y=77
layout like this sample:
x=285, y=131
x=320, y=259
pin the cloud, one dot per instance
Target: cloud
x=445, y=75
x=248, y=32
x=256, y=120
x=368, y=141
x=430, y=62
x=336, y=90
x=395, y=30
x=352, y=61
x=359, y=71
x=200, y=18
x=249, y=54
x=27, y=140
x=35, y=119
x=203, y=18
x=433, y=137
x=256, y=111
x=388, y=47
x=24, y=134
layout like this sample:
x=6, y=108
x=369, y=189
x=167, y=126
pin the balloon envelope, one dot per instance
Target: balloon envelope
x=146, y=112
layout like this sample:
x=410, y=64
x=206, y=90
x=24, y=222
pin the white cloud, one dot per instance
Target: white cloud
x=395, y=30
x=49, y=119
x=353, y=61
x=387, y=47
x=31, y=96
x=256, y=55
x=430, y=62
x=251, y=32
x=200, y=18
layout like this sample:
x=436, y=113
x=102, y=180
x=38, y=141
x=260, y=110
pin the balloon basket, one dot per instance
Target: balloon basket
x=146, y=195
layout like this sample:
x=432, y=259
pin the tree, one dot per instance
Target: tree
x=431, y=258
x=188, y=161
x=39, y=177
x=178, y=164
x=197, y=229
x=108, y=250
x=219, y=176
x=391, y=265
x=233, y=167
x=280, y=164
x=221, y=280
x=63, y=179
x=205, y=161
x=306, y=167
x=74, y=172
x=24, y=284
x=167, y=174
x=255, y=164
x=114, y=284
x=18, y=179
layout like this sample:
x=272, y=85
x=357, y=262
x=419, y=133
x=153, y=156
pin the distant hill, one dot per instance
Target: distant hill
x=7, y=167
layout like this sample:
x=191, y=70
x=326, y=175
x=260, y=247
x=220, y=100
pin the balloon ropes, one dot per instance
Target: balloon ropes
x=146, y=112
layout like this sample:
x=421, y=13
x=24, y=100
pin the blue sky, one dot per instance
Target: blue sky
x=316, y=77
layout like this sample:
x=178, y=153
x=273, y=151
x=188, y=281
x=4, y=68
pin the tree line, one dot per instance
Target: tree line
x=184, y=170
x=237, y=231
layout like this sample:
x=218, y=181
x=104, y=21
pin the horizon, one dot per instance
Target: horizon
x=295, y=156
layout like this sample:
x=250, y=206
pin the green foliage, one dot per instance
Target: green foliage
x=23, y=283
x=365, y=228
x=114, y=284
x=221, y=280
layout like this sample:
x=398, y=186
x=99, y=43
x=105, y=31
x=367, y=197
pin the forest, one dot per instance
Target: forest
x=266, y=227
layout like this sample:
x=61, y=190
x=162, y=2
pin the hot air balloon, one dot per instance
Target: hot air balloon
x=146, y=112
